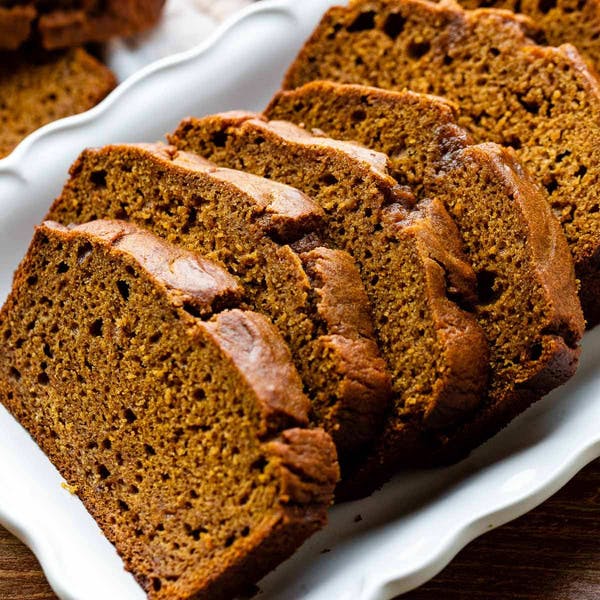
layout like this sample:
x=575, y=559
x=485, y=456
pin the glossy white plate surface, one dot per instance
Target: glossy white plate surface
x=408, y=531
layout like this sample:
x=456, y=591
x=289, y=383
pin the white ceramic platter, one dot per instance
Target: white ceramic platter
x=408, y=531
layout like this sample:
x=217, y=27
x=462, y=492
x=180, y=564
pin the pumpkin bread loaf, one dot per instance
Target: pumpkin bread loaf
x=409, y=259
x=67, y=23
x=37, y=88
x=180, y=424
x=562, y=21
x=542, y=101
x=527, y=303
x=314, y=296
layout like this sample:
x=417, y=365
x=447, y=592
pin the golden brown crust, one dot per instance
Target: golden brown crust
x=247, y=222
x=543, y=101
x=180, y=418
x=188, y=279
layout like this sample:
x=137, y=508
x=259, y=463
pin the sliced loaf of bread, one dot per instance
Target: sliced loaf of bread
x=265, y=234
x=527, y=294
x=542, y=101
x=178, y=419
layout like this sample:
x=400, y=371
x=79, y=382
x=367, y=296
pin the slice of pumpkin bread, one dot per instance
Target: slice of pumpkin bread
x=408, y=256
x=314, y=295
x=542, y=101
x=180, y=424
x=527, y=295
x=37, y=88
x=561, y=21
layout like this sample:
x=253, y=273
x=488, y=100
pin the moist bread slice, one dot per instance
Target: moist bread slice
x=180, y=424
x=66, y=23
x=527, y=304
x=37, y=88
x=561, y=21
x=542, y=101
x=313, y=295
x=408, y=256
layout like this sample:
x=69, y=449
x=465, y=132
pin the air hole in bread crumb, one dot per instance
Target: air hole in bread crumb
x=358, y=115
x=418, y=50
x=219, y=139
x=123, y=505
x=130, y=416
x=43, y=378
x=259, y=464
x=47, y=351
x=149, y=450
x=229, y=541
x=15, y=374
x=488, y=289
x=535, y=352
x=98, y=178
x=63, y=267
x=581, y=171
x=329, y=179
x=199, y=394
x=155, y=337
x=363, y=22
x=156, y=584
x=106, y=444
x=123, y=288
x=393, y=25
x=545, y=6
x=96, y=328
x=551, y=186
x=103, y=471
x=32, y=280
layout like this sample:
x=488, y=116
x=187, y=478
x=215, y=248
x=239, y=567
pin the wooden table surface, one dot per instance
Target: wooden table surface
x=552, y=553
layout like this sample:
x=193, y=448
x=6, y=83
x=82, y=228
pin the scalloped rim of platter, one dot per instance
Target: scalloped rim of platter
x=409, y=530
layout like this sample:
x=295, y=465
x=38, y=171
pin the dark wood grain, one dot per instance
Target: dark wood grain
x=552, y=553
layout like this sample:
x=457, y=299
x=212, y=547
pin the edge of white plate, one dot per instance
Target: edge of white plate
x=386, y=584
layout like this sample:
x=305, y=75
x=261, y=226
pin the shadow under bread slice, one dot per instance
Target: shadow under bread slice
x=542, y=101
x=185, y=435
x=527, y=304
x=408, y=257
x=266, y=234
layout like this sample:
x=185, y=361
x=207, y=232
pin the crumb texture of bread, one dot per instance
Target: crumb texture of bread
x=527, y=293
x=178, y=417
x=542, y=101
x=266, y=235
x=409, y=259
x=56, y=24
x=37, y=88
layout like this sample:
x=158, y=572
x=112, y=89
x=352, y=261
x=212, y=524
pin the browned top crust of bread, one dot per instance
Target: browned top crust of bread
x=184, y=437
x=36, y=89
x=527, y=290
x=560, y=21
x=542, y=101
x=409, y=258
x=58, y=24
x=313, y=295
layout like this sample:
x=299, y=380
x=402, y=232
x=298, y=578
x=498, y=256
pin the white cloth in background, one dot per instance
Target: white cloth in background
x=184, y=24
